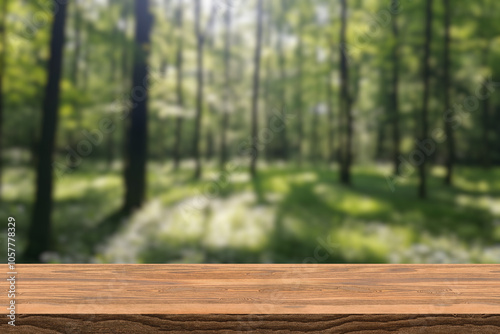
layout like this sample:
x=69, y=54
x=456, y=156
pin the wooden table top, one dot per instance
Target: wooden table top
x=255, y=289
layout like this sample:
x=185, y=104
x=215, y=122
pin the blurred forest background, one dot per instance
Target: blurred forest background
x=258, y=131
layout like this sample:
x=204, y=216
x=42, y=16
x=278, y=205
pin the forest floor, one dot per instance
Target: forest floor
x=286, y=215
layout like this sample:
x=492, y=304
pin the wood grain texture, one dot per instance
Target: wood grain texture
x=256, y=289
x=291, y=323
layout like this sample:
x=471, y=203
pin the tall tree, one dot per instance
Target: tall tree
x=227, y=89
x=395, y=91
x=3, y=52
x=329, y=95
x=485, y=118
x=424, y=125
x=209, y=131
x=136, y=134
x=113, y=77
x=450, y=140
x=315, y=140
x=179, y=88
x=299, y=101
x=345, y=101
x=40, y=229
x=386, y=99
x=283, y=151
x=255, y=91
x=199, y=87
x=269, y=76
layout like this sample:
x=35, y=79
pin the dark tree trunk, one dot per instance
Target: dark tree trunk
x=255, y=91
x=450, y=159
x=199, y=88
x=136, y=135
x=40, y=229
x=345, y=176
x=180, y=96
x=227, y=89
x=422, y=189
x=299, y=102
x=3, y=52
x=395, y=92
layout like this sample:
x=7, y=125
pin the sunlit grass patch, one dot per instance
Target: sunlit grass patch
x=373, y=241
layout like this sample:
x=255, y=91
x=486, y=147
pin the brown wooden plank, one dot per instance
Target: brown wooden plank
x=256, y=289
x=291, y=323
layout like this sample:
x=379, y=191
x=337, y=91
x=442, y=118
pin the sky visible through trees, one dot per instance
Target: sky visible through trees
x=251, y=131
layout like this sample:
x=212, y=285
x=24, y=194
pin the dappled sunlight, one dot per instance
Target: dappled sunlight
x=481, y=186
x=235, y=223
x=376, y=242
x=484, y=202
x=279, y=184
x=350, y=203
x=239, y=177
x=369, y=241
x=446, y=249
x=238, y=222
x=17, y=183
x=298, y=211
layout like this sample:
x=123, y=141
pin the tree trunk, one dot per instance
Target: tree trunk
x=315, y=140
x=446, y=82
x=86, y=57
x=255, y=92
x=395, y=92
x=40, y=229
x=136, y=135
x=3, y=51
x=126, y=69
x=299, y=102
x=329, y=92
x=422, y=189
x=283, y=152
x=114, y=77
x=199, y=88
x=227, y=89
x=345, y=98
x=485, y=150
x=180, y=96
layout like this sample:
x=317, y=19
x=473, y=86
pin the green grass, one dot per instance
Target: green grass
x=286, y=215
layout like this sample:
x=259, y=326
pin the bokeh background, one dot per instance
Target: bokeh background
x=286, y=131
